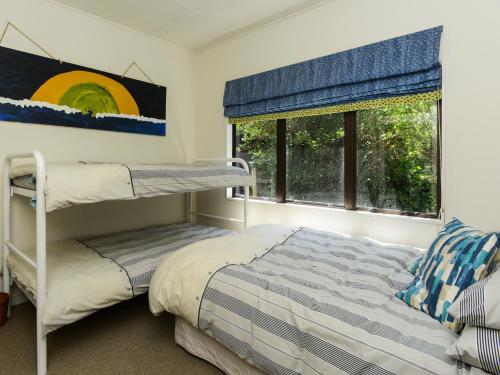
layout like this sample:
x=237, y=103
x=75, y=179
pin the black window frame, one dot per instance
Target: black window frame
x=350, y=172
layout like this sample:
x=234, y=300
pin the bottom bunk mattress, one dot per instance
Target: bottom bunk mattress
x=304, y=301
x=91, y=273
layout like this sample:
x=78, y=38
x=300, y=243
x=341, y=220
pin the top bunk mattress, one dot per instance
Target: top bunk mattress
x=77, y=183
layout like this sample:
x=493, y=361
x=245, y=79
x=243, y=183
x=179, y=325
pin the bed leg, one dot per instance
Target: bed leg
x=6, y=287
x=192, y=216
x=41, y=349
x=245, y=208
x=6, y=229
x=41, y=263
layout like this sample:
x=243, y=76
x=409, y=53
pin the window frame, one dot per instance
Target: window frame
x=350, y=171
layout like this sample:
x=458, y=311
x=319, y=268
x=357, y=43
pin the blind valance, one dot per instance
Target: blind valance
x=404, y=66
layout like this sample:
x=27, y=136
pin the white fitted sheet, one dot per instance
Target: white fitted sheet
x=79, y=282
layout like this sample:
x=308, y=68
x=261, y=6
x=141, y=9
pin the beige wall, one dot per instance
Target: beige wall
x=471, y=58
x=197, y=127
x=89, y=41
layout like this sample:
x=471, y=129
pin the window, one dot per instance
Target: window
x=314, y=159
x=383, y=159
x=256, y=144
x=397, y=158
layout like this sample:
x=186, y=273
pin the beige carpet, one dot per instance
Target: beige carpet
x=123, y=339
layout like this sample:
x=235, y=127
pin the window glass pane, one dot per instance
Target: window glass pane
x=315, y=159
x=397, y=157
x=256, y=143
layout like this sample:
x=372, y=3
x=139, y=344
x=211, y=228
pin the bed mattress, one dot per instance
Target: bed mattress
x=25, y=182
x=205, y=347
x=89, y=274
x=303, y=301
x=78, y=183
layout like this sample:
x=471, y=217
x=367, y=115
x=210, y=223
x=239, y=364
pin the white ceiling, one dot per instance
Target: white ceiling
x=195, y=24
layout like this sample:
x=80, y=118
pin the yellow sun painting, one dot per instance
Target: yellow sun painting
x=89, y=92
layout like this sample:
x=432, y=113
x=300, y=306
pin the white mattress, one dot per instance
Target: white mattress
x=78, y=183
x=207, y=348
x=79, y=282
x=89, y=274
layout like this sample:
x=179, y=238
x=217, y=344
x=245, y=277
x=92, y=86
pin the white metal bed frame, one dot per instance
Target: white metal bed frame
x=41, y=240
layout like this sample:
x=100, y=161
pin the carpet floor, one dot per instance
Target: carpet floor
x=123, y=339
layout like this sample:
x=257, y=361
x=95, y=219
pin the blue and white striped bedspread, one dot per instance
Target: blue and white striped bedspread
x=139, y=252
x=323, y=303
x=154, y=179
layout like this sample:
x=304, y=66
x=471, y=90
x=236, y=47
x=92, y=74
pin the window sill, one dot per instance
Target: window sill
x=390, y=216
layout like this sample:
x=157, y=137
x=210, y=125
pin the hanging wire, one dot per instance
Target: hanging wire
x=27, y=37
x=10, y=24
x=133, y=63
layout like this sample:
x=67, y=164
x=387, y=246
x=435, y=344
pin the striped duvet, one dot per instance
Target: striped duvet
x=319, y=302
x=150, y=180
x=138, y=252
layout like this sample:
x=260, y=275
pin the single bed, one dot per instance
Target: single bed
x=301, y=301
x=89, y=182
x=88, y=274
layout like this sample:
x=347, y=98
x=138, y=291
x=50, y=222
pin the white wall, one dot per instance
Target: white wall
x=197, y=127
x=82, y=39
x=471, y=57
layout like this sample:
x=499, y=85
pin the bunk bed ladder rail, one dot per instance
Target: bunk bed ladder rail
x=193, y=213
x=40, y=238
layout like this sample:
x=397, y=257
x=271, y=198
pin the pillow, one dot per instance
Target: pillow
x=479, y=347
x=413, y=266
x=479, y=304
x=457, y=258
x=497, y=258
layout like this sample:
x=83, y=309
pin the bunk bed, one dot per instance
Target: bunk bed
x=91, y=273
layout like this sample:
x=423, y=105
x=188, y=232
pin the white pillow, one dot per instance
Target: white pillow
x=479, y=347
x=479, y=304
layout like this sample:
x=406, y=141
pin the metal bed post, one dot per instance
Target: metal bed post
x=40, y=240
x=6, y=204
x=41, y=264
x=244, y=164
x=192, y=216
x=245, y=207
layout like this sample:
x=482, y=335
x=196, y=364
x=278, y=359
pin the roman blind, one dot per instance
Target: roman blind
x=399, y=70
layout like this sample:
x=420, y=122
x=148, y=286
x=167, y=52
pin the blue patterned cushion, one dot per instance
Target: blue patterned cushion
x=458, y=257
x=414, y=265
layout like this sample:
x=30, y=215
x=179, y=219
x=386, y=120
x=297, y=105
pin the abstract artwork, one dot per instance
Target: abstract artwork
x=40, y=90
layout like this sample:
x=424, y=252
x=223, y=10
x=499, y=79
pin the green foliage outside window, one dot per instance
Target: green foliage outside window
x=256, y=143
x=396, y=157
x=315, y=159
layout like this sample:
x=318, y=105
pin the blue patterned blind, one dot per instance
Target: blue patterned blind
x=400, y=66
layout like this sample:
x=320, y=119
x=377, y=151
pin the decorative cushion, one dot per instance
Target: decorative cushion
x=479, y=304
x=457, y=258
x=479, y=347
x=414, y=265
